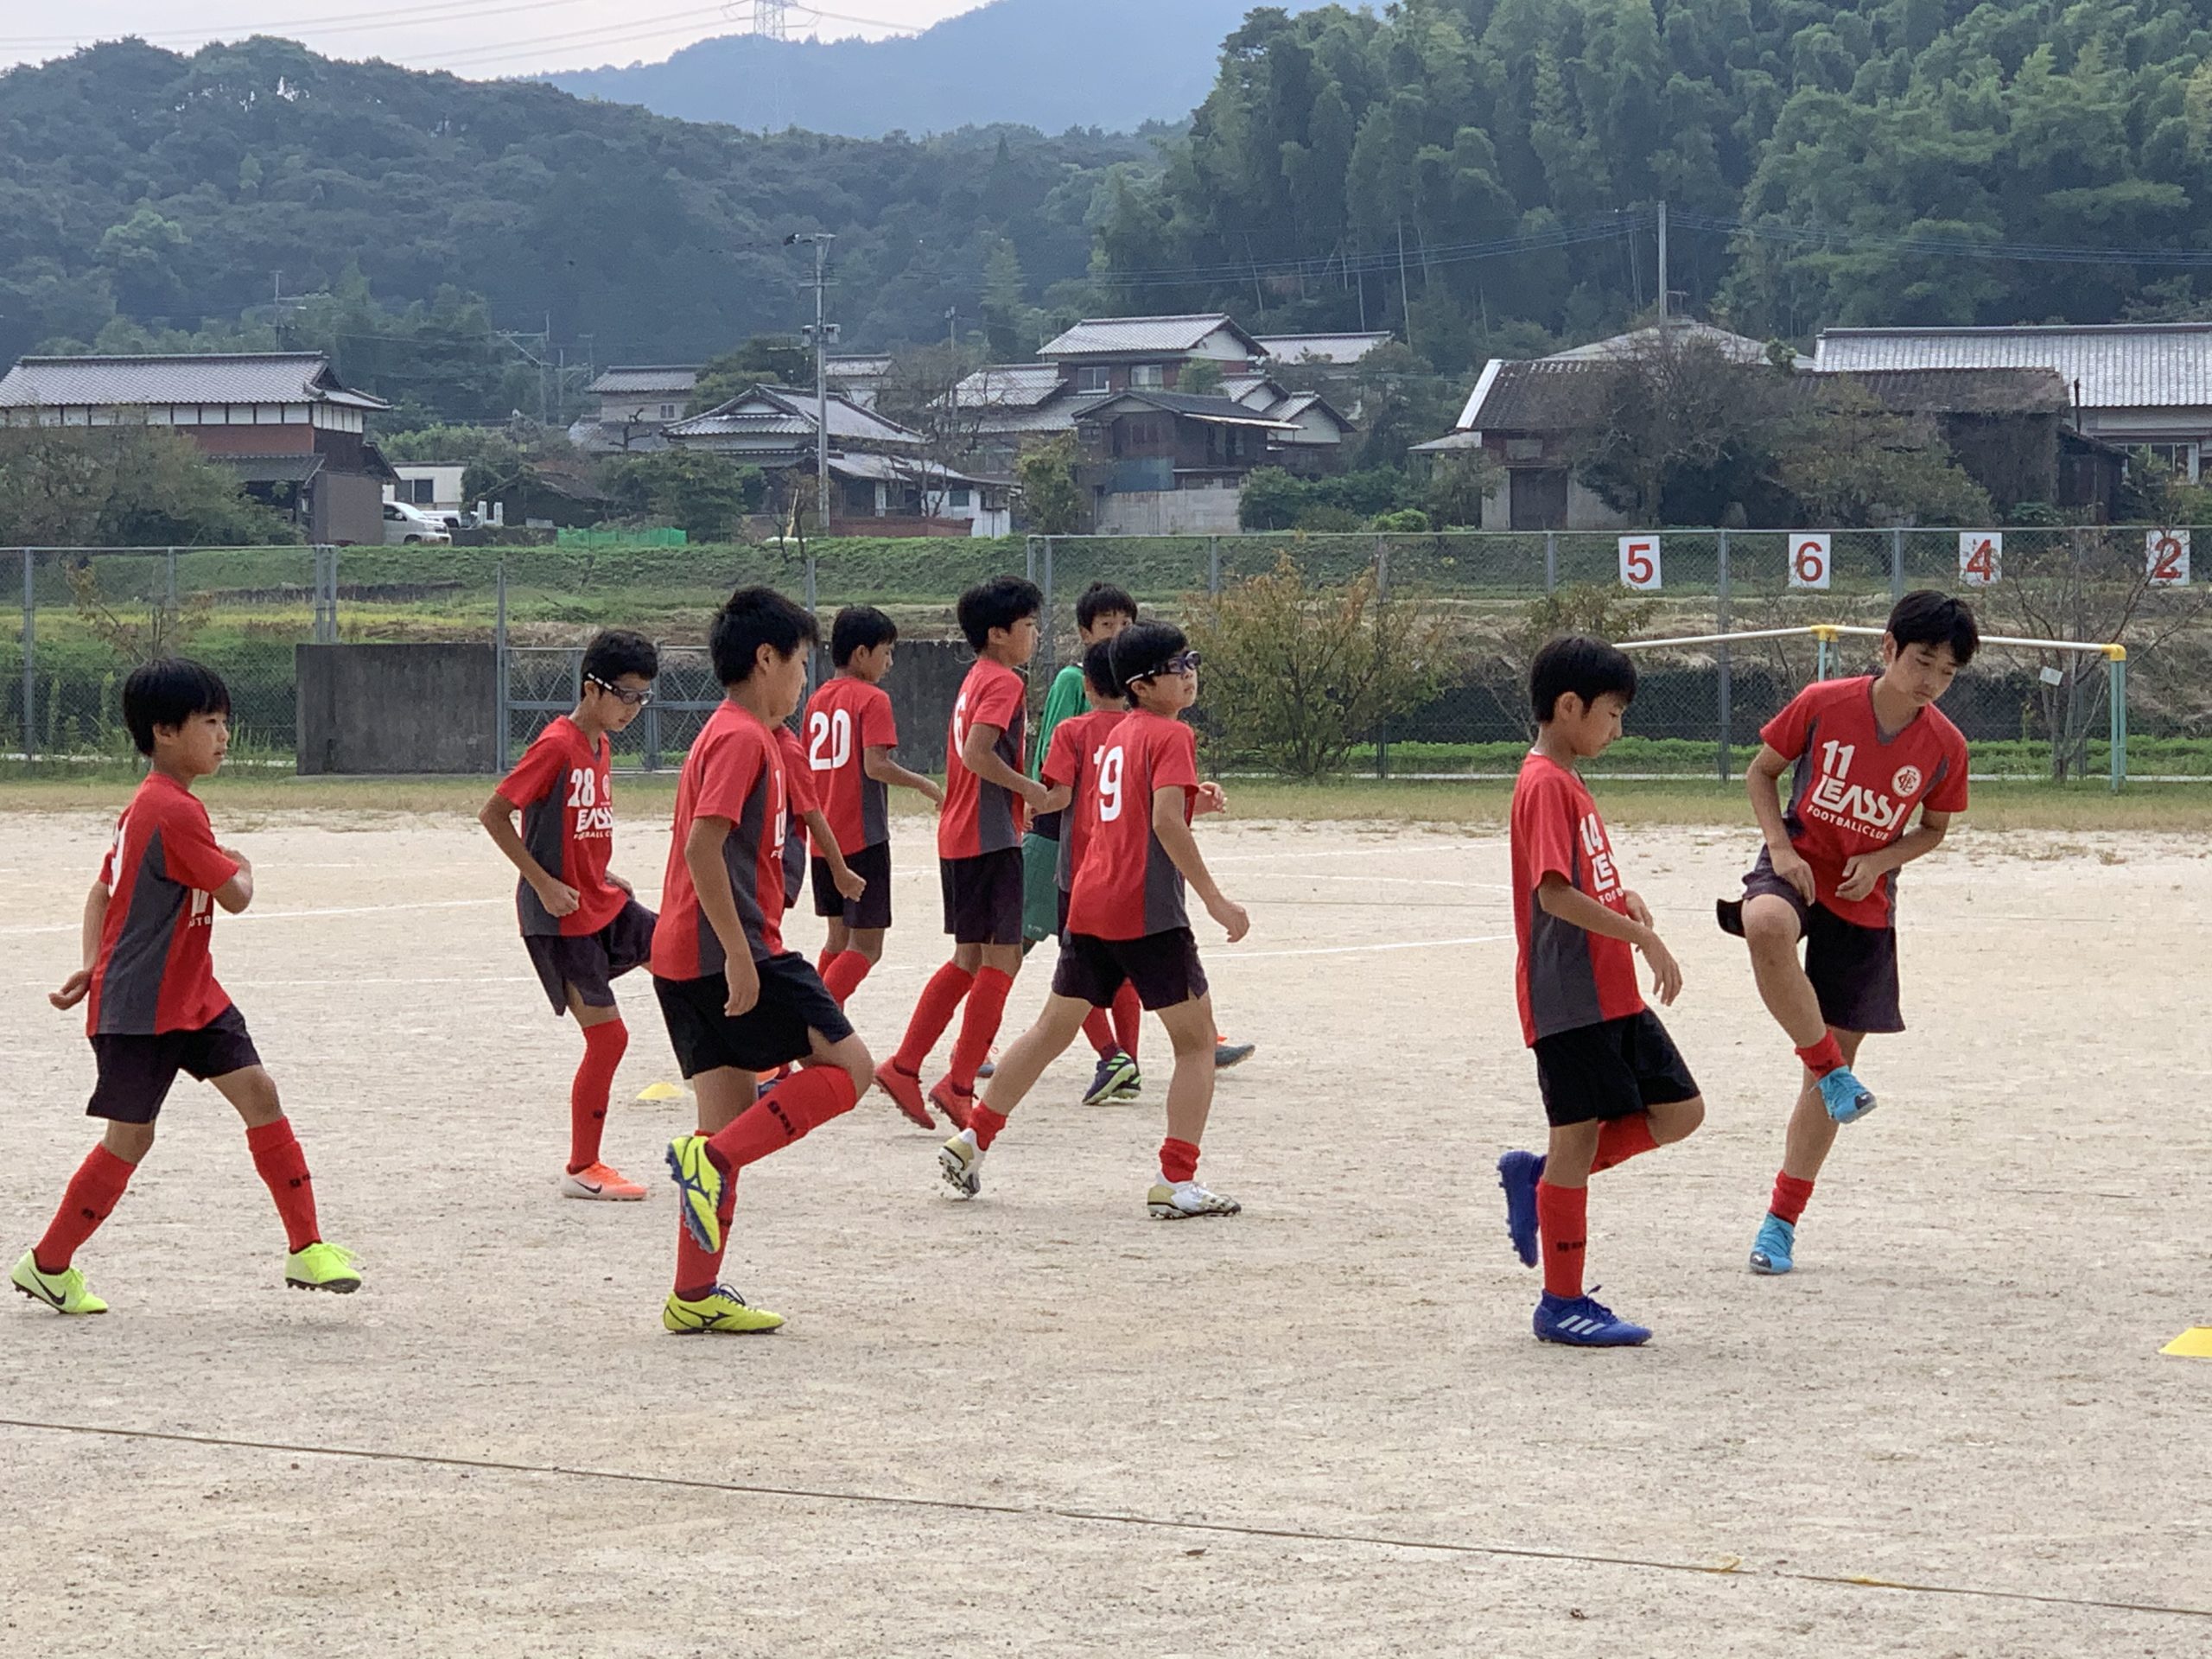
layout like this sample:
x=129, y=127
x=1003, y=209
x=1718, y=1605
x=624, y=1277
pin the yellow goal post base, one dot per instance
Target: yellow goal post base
x=1827, y=634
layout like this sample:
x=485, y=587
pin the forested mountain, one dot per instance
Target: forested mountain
x=139, y=184
x=1048, y=64
x=1470, y=122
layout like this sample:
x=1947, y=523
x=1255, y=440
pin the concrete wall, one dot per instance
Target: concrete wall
x=348, y=509
x=1169, y=513
x=923, y=682
x=385, y=709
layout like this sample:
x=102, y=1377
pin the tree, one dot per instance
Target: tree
x=1201, y=378
x=1298, y=678
x=1272, y=500
x=703, y=495
x=770, y=359
x=1459, y=484
x=1051, y=497
x=123, y=487
x=1850, y=462
x=1677, y=432
x=1601, y=611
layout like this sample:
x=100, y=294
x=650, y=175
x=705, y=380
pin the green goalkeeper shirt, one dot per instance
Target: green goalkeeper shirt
x=1066, y=698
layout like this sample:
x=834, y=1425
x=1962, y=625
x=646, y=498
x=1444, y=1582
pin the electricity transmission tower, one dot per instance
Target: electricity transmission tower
x=772, y=19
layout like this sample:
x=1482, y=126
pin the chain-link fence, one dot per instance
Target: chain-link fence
x=1480, y=602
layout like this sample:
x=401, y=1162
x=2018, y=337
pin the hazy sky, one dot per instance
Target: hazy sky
x=477, y=38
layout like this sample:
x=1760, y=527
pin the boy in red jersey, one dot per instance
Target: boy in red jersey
x=805, y=819
x=1067, y=769
x=736, y=1002
x=979, y=851
x=582, y=925
x=152, y=1006
x=1612, y=1084
x=1127, y=922
x=851, y=733
x=1866, y=751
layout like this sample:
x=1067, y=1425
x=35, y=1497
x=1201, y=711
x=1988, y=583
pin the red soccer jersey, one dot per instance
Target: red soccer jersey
x=980, y=817
x=155, y=972
x=566, y=793
x=846, y=718
x=735, y=771
x=804, y=800
x=1854, y=790
x=1564, y=976
x=1127, y=887
x=1072, y=760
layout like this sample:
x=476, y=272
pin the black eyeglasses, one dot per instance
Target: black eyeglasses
x=1182, y=663
x=628, y=699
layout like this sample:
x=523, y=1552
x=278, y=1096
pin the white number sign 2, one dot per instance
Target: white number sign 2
x=1981, y=557
x=1640, y=562
x=1808, y=559
x=2165, y=557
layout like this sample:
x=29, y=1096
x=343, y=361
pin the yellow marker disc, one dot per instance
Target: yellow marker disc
x=659, y=1091
x=2196, y=1342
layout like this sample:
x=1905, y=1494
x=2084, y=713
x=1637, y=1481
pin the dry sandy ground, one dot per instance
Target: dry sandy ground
x=1043, y=1424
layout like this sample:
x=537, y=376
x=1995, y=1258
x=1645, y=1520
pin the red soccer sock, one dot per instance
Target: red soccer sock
x=1790, y=1197
x=822, y=962
x=1823, y=1056
x=1620, y=1138
x=1099, y=1029
x=697, y=1269
x=604, y=1047
x=93, y=1193
x=979, y=1026
x=801, y=1102
x=283, y=1169
x=1562, y=1220
x=940, y=999
x=1128, y=1016
x=843, y=975
x=986, y=1124
x=1179, y=1161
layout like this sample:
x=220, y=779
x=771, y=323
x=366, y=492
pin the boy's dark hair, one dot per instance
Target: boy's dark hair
x=859, y=627
x=614, y=652
x=168, y=691
x=1098, y=668
x=1143, y=648
x=752, y=617
x=1929, y=617
x=999, y=603
x=1102, y=598
x=1589, y=668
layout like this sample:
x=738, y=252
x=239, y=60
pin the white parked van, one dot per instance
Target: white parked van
x=403, y=523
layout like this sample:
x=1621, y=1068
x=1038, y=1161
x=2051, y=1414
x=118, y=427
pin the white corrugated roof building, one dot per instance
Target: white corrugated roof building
x=1322, y=348
x=2117, y=366
x=630, y=380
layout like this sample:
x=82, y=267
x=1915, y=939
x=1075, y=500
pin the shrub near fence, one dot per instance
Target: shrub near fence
x=245, y=608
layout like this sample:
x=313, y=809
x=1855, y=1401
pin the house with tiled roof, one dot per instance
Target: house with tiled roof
x=1165, y=463
x=1103, y=354
x=294, y=434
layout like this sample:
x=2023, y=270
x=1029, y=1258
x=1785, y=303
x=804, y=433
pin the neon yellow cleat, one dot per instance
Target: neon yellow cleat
x=722, y=1313
x=322, y=1267
x=699, y=1186
x=63, y=1292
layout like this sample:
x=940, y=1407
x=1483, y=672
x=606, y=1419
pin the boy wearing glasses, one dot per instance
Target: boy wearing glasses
x=1126, y=922
x=582, y=924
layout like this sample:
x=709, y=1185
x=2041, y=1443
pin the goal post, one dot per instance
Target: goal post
x=1825, y=637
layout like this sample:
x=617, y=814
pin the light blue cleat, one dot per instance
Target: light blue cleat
x=1847, y=1098
x=1773, y=1250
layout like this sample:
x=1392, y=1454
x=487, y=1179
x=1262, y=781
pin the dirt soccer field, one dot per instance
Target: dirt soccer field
x=1045, y=1424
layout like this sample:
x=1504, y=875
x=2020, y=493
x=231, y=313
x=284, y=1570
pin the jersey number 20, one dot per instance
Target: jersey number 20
x=830, y=739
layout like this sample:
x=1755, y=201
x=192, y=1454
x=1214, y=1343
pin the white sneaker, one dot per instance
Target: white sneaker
x=960, y=1166
x=1181, y=1200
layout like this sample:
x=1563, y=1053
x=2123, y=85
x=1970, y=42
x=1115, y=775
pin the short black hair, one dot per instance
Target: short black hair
x=752, y=617
x=1143, y=648
x=1589, y=668
x=1102, y=598
x=168, y=691
x=859, y=627
x=1926, y=617
x=999, y=603
x=614, y=652
x=1098, y=668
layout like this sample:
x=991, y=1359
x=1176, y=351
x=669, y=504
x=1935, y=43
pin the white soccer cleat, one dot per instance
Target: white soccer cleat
x=960, y=1166
x=1182, y=1200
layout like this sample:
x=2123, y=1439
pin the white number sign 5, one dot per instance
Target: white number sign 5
x=1640, y=562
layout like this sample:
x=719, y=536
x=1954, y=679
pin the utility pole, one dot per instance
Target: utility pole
x=820, y=239
x=1666, y=301
x=1405, y=294
x=952, y=326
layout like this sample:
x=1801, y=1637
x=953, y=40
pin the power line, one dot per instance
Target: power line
x=341, y=23
x=1351, y=263
x=1945, y=247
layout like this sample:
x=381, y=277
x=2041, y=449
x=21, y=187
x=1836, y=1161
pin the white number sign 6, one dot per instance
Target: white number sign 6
x=1808, y=559
x=1640, y=562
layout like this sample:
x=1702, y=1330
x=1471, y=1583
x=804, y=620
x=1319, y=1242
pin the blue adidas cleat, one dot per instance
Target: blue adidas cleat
x=1584, y=1322
x=1518, y=1174
x=1773, y=1250
x=1847, y=1098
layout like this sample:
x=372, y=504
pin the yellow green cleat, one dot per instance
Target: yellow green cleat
x=699, y=1186
x=63, y=1292
x=322, y=1267
x=721, y=1313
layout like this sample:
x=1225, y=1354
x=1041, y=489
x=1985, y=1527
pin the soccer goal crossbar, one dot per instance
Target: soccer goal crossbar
x=1825, y=634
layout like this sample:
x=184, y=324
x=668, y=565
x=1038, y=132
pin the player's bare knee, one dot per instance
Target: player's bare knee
x=128, y=1142
x=1770, y=926
x=1677, y=1120
x=252, y=1093
x=849, y=1055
